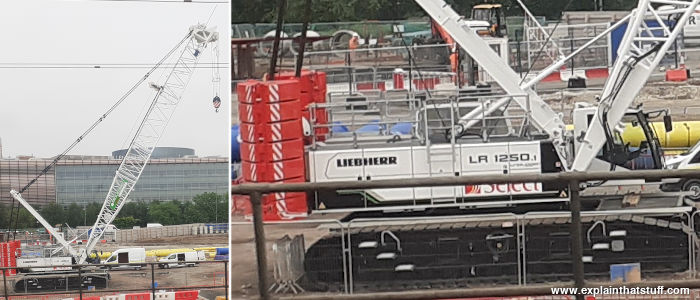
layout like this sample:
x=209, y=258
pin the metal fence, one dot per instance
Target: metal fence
x=572, y=179
x=130, y=235
x=210, y=278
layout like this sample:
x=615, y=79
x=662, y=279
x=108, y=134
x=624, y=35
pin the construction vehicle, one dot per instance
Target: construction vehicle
x=491, y=15
x=472, y=134
x=687, y=160
x=167, y=97
x=487, y=20
x=181, y=259
x=131, y=257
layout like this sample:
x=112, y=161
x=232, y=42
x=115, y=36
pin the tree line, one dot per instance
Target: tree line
x=264, y=11
x=204, y=208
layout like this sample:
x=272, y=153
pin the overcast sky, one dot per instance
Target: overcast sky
x=43, y=110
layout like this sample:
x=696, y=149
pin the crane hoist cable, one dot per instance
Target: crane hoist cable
x=216, y=78
x=99, y=120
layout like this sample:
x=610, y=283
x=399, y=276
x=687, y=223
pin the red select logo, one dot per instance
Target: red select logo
x=509, y=188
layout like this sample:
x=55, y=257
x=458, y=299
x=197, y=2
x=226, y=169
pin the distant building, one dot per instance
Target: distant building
x=85, y=179
x=160, y=152
x=16, y=173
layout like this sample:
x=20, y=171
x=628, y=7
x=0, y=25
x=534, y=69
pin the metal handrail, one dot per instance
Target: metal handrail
x=248, y=188
x=78, y=268
x=256, y=191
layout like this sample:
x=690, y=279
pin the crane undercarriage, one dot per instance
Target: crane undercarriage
x=450, y=254
x=61, y=281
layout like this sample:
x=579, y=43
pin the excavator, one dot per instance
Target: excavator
x=487, y=20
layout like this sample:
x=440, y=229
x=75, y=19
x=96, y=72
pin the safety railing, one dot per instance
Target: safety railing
x=575, y=217
x=359, y=118
x=209, y=278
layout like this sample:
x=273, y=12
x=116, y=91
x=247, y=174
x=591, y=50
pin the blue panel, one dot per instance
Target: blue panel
x=235, y=145
x=621, y=272
x=619, y=32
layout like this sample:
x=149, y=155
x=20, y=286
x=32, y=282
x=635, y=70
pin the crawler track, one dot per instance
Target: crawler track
x=464, y=254
x=63, y=281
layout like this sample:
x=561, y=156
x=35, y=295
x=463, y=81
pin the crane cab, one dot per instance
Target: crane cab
x=643, y=153
x=493, y=14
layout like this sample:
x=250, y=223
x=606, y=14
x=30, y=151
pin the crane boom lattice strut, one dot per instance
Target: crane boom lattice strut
x=640, y=52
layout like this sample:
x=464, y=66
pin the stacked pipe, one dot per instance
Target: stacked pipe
x=272, y=148
x=9, y=251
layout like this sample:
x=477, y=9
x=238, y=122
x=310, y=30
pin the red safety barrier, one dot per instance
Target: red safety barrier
x=398, y=79
x=364, y=86
x=5, y=256
x=139, y=296
x=14, y=252
x=677, y=75
x=424, y=84
x=88, y=298
x=597, y=73
x=320, y=88
x=186, y=295
x=556, y=76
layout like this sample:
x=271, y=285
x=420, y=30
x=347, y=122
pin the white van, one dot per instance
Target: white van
x=126, y=256
x=181, y=259
x=153, y=225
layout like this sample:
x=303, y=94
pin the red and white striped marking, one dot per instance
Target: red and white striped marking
x=251, y=134
x=278, y=166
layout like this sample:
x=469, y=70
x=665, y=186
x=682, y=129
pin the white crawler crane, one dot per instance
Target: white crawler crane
x=168, y=96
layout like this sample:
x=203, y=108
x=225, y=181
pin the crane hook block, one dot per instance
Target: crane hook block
x=217, y=103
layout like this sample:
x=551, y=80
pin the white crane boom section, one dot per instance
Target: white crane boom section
x=56, y=235
x=640, y=52
x=541, y=114
x=156, y=119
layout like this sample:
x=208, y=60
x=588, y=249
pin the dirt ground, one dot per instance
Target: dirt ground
x=204, y=274
x=244, y=276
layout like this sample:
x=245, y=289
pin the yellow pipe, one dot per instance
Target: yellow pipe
x=684, y=134
x=166, y=252
x=161, y=252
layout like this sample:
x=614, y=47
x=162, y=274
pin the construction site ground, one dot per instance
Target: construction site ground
x=208, y=274
x=244, y=278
